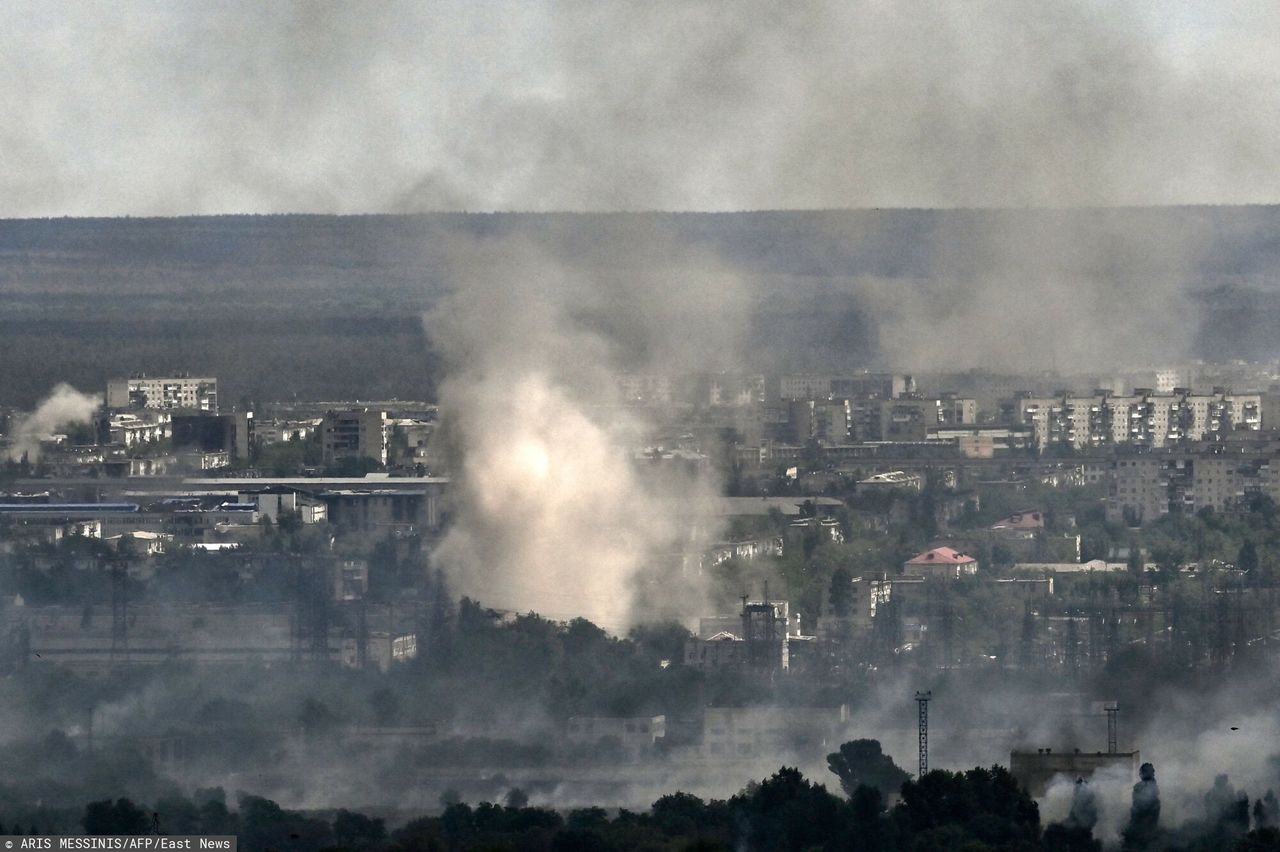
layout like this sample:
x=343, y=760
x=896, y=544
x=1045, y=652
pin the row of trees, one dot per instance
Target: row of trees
x=975, y=810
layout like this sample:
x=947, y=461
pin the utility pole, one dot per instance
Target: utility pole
x=922, y=701
x=119, y=609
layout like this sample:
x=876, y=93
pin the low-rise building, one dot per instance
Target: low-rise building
x=634, y=733
x=1037, y=770
x=943, y=562
x=760, y=637
x=719, y=651
x=1092, y=566
x=893, y=480
x=744, y=733
x=275, y=500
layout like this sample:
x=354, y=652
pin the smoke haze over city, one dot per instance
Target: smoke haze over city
x=610, y=426
x=187, y=108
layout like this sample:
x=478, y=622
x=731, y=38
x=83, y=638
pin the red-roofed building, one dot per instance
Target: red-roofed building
x=940, y=562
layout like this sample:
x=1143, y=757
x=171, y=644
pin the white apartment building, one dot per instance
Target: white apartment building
x=164, y=392
x=1143, y=419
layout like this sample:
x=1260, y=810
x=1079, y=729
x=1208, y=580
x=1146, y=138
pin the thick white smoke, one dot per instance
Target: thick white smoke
x=552, y=513
x=64, y=406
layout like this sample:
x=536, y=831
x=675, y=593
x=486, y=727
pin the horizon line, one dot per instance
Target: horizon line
x=644, y=212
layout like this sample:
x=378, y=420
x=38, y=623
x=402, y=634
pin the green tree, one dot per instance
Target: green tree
x=355, y=830
x=840, y=593
x=862, y=763
x=1247, y=557
x=119, y=817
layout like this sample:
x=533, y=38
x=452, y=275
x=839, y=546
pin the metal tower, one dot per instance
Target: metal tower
x=922, y=701
x=1112, y=740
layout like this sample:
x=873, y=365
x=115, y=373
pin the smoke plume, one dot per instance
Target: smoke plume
x=1084, y=807
x=553, y=514
x=1144, y=814
x=64, y=406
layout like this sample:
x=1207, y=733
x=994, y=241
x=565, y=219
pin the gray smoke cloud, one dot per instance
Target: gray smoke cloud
x=1027, y=293
x=553, y=515
x=64, y=406
x=167, y=108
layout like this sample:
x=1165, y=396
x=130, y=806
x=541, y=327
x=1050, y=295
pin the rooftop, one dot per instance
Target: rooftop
x=941, y=556
x=1029, y=520
x=762, y=505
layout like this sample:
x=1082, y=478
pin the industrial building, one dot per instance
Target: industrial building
x=1036, y=770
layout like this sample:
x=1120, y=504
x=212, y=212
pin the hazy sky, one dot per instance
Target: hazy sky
x=212, y=107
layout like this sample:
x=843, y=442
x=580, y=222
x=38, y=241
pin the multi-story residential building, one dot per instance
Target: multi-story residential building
x=284, y=431
x=873, y=386
x=1143, y=418
x=645, y=388
x=828, y=421
x=907, y=419
x=957, y=411
x=804, y=387
x=164, y=392
x=229, y=433
x=730, y=389
x=856, y=386
x=131, y=430
x=356, y=433
x=1145, y=486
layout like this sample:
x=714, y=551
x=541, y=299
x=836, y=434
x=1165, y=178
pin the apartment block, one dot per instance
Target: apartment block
x=1144, y=418
x=164, y=392
x=356, y=433
x=1146, y=486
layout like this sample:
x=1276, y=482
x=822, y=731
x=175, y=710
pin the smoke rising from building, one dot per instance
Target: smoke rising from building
x=552, y=514
x=241, y=107
x=64, y=406
x=1084, y=807
x=1144, y=814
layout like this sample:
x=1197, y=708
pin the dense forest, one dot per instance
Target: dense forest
x=335, y=303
